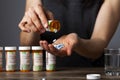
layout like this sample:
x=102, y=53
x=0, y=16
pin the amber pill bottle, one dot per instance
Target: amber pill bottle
x=53, y=26
x=10, y=53
x=1, y=62
x=24, y=58
x=37, y=55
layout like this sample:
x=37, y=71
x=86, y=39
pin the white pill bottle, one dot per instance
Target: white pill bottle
x=10, y=52
x=50, y=62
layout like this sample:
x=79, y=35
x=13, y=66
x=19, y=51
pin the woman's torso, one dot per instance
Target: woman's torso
x=75, y=17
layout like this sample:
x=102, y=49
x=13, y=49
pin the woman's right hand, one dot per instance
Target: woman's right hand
x=35, y=19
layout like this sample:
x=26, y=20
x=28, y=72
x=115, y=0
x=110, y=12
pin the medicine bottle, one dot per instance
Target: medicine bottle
x=53, y=26
x=10, y=52
x=50, y=62
x=24, y=58
x=1, y=51
x=37, y=52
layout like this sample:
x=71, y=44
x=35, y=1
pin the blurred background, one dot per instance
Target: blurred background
x=11, y=13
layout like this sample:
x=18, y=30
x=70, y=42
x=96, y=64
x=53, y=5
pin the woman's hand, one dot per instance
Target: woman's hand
x=35, y=19
x=69, y=42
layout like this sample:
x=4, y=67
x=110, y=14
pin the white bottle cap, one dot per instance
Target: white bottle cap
x=37, y=48
x=1, y=48
x=93, y=76
x=43, y=78
x=10, y=48
x=24, y=47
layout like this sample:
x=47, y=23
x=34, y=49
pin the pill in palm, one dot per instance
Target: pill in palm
x=59, y=46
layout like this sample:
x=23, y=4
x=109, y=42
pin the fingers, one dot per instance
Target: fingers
x=23, y=23
x=36, y=20
x=53, y=50
x=69, y=50
x=41, y=14
x=49, y=15
x=44, y=44
x=50, y=48
x=26, y=24
x=56, y=52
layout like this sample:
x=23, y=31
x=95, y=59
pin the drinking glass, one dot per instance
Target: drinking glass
x=112, y=62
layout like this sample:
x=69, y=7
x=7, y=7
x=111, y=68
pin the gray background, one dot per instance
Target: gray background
x=12, y=11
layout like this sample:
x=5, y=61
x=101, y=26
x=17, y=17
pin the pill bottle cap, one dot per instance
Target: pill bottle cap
x=10, y=48
x=93, y=76
x=1, y=48
x=24, y=47
x=43, y=78
x=37, y=48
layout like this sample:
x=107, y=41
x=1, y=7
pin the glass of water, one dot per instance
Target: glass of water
x=112, y=62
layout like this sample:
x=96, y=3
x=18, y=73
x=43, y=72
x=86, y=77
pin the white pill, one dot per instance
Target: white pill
x=93, y=76
x=59, y=46
x=54, y=40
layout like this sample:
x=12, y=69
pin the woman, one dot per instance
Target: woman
x=86, y=28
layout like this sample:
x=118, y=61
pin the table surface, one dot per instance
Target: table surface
x=60, y=74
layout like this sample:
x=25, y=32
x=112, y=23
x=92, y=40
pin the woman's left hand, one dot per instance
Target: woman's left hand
x=69, y=41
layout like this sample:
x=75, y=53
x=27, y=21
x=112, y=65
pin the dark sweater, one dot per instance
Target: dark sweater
x=78, y=17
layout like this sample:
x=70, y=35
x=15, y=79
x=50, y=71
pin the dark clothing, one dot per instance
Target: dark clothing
x=78, y=17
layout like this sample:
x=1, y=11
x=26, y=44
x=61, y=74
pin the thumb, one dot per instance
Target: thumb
x=49, y=15
x=69, y=50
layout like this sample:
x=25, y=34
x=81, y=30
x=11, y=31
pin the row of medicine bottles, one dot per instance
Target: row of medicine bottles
x=37, y=52
x=24, y=52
